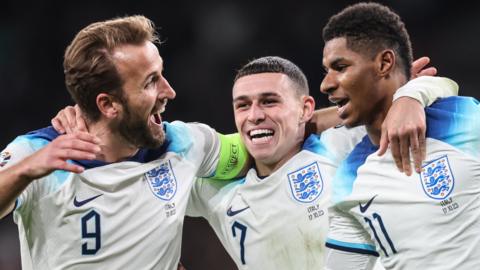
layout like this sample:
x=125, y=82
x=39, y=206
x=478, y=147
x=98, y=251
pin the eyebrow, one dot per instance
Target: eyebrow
x=153, y=73
x=262, y=95
x=334, y=62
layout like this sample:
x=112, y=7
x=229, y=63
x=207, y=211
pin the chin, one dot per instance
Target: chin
x=351, y=123
x=260, y=156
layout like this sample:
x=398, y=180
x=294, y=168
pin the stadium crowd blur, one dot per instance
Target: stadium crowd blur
x=204, y=42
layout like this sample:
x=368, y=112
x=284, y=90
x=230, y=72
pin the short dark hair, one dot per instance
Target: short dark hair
x=370, y=28
x=88, y=65
x=275, y=64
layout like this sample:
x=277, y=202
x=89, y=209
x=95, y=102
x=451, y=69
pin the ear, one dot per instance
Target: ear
x=385, y=62
x=108, y=105
x=307, y=110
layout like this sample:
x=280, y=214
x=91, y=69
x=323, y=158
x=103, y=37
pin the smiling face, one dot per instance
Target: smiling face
x=351, y=82
x=270, y=117
x=145, y=94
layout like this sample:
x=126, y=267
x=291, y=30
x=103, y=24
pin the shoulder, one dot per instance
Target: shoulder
x=180, y=136
x=347, y=172
x=25, y=145
x=454, y=120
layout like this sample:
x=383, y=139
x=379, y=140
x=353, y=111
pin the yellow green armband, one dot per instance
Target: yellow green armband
x=233, y=157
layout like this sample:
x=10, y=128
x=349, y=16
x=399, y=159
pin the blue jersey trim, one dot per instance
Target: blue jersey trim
x=177, y=140
x=352, y=247
x=455, y=120
x=347, y=171
x=313, y=144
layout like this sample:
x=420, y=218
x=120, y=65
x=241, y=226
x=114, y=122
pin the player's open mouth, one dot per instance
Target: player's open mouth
x=340, y=105
x=258, y=136
x=156, y=118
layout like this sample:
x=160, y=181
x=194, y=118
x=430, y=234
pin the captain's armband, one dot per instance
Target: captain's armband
x=233, y=157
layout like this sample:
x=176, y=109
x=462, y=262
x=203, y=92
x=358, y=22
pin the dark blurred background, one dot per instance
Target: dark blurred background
x=205, y=42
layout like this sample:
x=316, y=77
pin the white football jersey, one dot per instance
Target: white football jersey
x=280, y=221
x=429, y=220
x=124, y=215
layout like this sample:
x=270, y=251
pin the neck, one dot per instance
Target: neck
x=113, y=146
x=374, y=126
x=266, y=168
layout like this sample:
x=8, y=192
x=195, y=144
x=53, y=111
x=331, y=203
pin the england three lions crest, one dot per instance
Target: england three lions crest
x=306, y=183
x=437, y=178
x=162, y=181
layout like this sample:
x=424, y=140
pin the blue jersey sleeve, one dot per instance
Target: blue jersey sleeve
x=456, y=121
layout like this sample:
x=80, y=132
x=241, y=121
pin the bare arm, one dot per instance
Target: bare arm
x=323, y=119
x=54, y=156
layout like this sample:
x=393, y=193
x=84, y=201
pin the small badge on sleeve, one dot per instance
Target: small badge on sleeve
x=4, y=158
x=437, y=178
x=306, y=183
x=162, y=181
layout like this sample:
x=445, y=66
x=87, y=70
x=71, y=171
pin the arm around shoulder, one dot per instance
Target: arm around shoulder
x=27, y=165
x=427, y=89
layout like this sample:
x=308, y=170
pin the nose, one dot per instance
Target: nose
x=165, y=90
x=256, y=115
x=329, y=83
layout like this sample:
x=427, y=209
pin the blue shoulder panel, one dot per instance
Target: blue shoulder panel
x=37, y=139
x=315, y=145
x=456, y=121
x=347, y=171
x=177, y=140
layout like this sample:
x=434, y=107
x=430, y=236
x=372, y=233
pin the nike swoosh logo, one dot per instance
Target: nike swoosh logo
x=232, y=213
x=364, y=208
x=80, y=203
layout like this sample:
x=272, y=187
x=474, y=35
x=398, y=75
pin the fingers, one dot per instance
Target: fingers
x=80, y=141
x=75, y=154
x=418, y=65
x=419, y=68
x=70, y=167
x=84, y=136
x=60, y=122
x=395, y=149
x=70, y=119
x=416, y=153
x=423, y=150
x=383, y=142
x=431, y=71
x=80, y=122
x=77, y=146
x=57, y=125
x=405, y=154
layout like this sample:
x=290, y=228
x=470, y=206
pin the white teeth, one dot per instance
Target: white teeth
x=261, y=139
x=259, y=136
x=265, y=132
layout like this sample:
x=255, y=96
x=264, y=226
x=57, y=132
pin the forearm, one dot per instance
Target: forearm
x=13, y=181
x=323, y=119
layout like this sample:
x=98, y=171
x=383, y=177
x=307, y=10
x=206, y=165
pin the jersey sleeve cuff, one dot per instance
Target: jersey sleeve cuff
x=352, y=247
